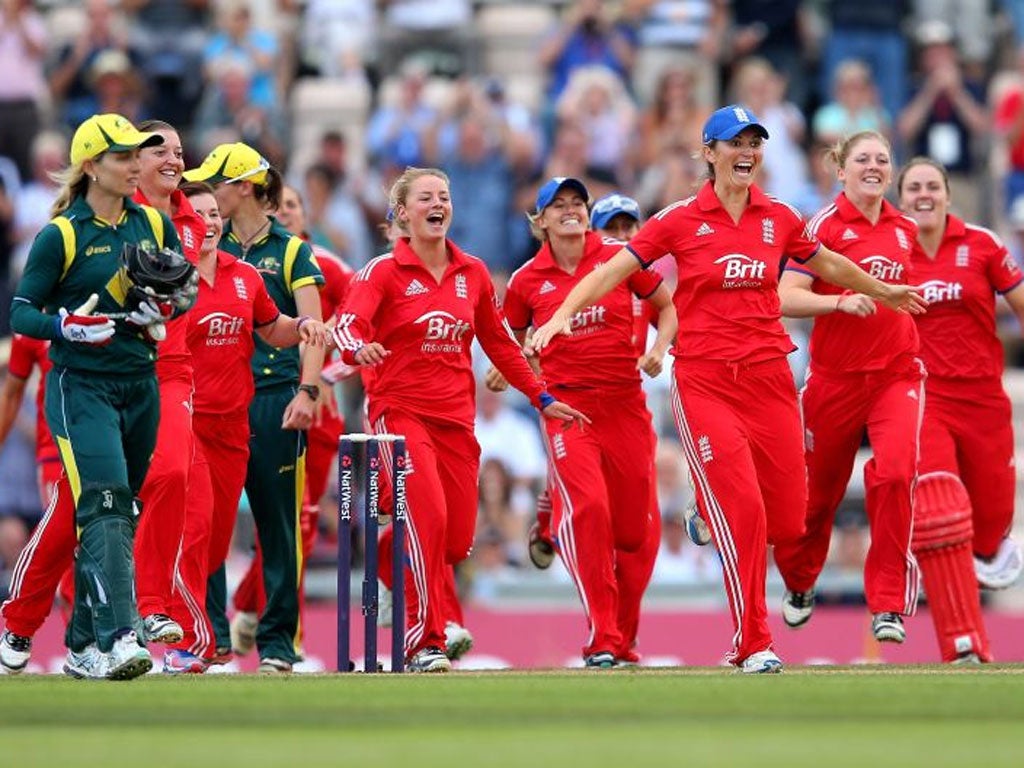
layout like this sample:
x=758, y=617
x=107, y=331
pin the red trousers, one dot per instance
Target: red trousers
x=441, y=493
x=968, y=431
x=164, y=496
x=740, y=429
x=601, y=478
x=837, y=408
x=222, y=455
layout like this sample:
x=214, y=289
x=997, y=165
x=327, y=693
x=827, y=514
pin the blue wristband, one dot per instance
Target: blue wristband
x=545, y=399
x=58, y=324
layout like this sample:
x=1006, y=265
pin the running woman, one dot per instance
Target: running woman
x=734, y=397
x=963, y=500
x=864, y=375
x=246, y=188
x=102, y=401
x=601, y=477
x=413, y=314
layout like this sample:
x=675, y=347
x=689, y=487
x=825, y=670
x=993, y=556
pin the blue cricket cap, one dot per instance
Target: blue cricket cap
x=728, y=122
x=553, y=186
x=610, y=206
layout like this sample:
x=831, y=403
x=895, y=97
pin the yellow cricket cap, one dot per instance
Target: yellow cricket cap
x=108, y=133
x=229, y=163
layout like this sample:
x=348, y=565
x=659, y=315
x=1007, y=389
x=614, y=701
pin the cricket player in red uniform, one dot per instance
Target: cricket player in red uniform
x=413, y=313
x=322, y=438
x=165, y=494
x=27, y=607
x=864, y=375
x=734, y=397
x=601, y=477
x=965, y=489
x=232, y=305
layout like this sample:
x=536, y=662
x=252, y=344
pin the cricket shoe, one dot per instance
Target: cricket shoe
x=600, y=660
x=127, y=658
x=179, y=662
x=967, y=659
x=429, y=659
x=161, y=628
x=888, y=628
x=541, y=550
x=761, y=663
x=696, y=529
x=15, y=651
x=457, y=641
x=272, y=666
x=243, y=632
x=797, y=607
x=1002, y=569
x=88, y=664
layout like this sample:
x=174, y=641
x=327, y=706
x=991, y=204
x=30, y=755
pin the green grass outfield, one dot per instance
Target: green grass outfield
x=884, y=716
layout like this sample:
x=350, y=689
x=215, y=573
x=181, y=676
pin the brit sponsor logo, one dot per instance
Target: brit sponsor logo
x=883, y=268
x=461, y=292
x=222, y=329
x=546, y=287
x=589, y=320
x=444, y=332
x=704, y=229
x=741, y=271
x=768, y=231
x=240, y=290
x=939, y=290
x=415, y=288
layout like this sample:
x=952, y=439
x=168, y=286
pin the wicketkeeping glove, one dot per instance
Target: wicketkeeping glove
x=83, y=327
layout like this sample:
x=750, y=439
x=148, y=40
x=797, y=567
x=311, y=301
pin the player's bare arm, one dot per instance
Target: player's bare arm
x=838, y=270
x=303, y=407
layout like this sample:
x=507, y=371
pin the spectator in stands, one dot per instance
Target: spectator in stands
x=871, y=31
x=511, y=437
x=1008, y=124
x=503, y=508
x=23, y=40
x=394, y=135
x=335, y=220
x=672, y=175
x=821, y=185
x=673, y=117
x=436, y=31
x=598, y=102
x=104, y=31
x=676, y=33
x=946, y=114
x=854, y=106
x=975, y=25
x=256, y=49
x=114, y=86
x=587, y=36
x=759, y=87
x=226, y=114
x=337, y=37
x=772, y=31
x=36, y=196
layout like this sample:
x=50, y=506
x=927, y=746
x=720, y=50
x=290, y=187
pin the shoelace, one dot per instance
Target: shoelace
x=801, y=599
x=20, y=643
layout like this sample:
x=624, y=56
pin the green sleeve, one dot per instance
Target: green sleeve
x=305, y=270
x=38, y=285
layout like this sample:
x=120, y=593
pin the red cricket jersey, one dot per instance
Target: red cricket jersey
x=727, y=297
x=1006, y=112
x=428, y=327
x=958, y=333
x=220, y=335
x=26, y=354
x=842, y=342
x=173, y=359
x=601, y=351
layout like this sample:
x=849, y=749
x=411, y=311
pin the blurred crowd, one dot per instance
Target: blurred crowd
x=344, y=94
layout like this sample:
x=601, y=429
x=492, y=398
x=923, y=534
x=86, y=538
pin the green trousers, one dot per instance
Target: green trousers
x=105, y=429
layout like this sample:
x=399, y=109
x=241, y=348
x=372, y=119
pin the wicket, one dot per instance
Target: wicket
x=347, y=463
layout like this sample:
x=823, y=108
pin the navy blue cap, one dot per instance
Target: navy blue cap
x=726, y=123
x=552, y=187
x=610, y=206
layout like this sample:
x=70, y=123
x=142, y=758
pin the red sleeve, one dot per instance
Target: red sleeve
x=264, y=310
x=1007, y=110
x=23, y=356
x=495, y=336
x=801, y=245
x=654, y=240
x=644, y=283
x=355, y=319
x=1003, y=273
x=516, y=310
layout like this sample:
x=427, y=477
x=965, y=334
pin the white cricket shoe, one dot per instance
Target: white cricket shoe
x=15, y=651
x=161, y=628
x=429, y=659
x=1003, y=568
x=761, y=663
x=888, y=627
x=243, y=632
x=88, y=664
x=797, y=607
x=457, y=641
x=127, y=658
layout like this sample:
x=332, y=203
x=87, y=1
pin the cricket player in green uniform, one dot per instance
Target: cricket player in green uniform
x=102, y=403
x=246, y=186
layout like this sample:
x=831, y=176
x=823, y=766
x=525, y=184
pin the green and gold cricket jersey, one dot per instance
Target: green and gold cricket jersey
x=286, y=263
x=78, y=254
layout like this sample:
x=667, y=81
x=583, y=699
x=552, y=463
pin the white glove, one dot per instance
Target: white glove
x=83, y=327
x=149, y=317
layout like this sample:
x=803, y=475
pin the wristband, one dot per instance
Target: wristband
x=310, y=389
x=545, y=399
x=301, y=321
x=839, y=300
